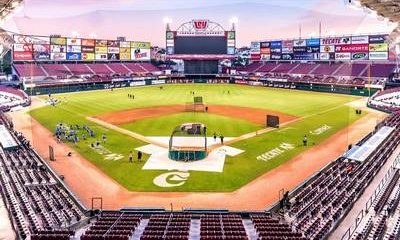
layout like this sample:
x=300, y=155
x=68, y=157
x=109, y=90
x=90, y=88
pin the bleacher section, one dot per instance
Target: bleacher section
x=322, y=203
x=40, y=206
x=28, y=70
x=387, y=100
x=10, y=97
x=354, y=74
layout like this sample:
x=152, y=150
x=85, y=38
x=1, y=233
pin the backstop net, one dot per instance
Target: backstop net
x=188, y=142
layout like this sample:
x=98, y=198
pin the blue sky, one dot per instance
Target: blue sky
x=142, y=19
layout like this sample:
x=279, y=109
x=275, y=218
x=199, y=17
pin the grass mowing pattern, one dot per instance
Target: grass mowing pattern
x=238, y=170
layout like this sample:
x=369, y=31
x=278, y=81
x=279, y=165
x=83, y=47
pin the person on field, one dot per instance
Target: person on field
x=139, y=156
x=222, y=139
x=305, y=140
x=215, y=137
x=206, y=108
x=130, y=157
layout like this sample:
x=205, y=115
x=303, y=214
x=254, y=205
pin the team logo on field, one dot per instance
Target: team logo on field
x=171, y=179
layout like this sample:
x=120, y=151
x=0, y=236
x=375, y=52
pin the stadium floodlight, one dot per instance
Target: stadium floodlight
x=167, y=20
x=234, y=20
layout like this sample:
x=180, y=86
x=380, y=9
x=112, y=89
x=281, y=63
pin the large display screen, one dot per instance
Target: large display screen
x=365, y=47
x=38, y=48
x=201, y=67
x=200, y=45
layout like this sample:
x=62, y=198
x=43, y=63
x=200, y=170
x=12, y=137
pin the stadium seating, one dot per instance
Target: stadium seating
x=40, y=206
x=387, y=100
x=323, y=202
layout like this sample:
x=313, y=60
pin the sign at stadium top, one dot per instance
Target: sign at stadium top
x=200, y=27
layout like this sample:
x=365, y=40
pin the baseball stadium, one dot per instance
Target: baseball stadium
x=145, y=120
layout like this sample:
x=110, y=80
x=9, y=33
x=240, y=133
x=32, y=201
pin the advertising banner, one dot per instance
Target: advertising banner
x=41, y=56
x=265, y=44
x=378, y=55
x=230, y=43
x=140, y=54
x=170, y=43
x=231, y=35
x=313, y=49
x=377, y=38
x=58, y=49
x=113, y=56
x=327, y=49
x=125, y=53
x=231, y=50
x=359, y=39
x=88, y=56
x=41, y=52
x=352, y=48
x=100, y=49
x=287, y=49
x=287, y=44
x=313, y=42
x=255, y=57
x=378, y=47
x=101, y=43
x=170, y=50
x=336, y=41
x=22, y=39
x=73, y=49
x=73, y=56
x=299, y=43
x=359, y=56
x=327, y=56
x=125, y=44
x=41, y=40
x=276, y=44
x=275, y=56
x=74, y=41
x=113, y=50
x=23, y=47
x=58, y=41
x=265, y=57
x=87, y=49
x=299, y=49
x=255, y=47
x=342, y=56
x=142, y=45
x=276, y=50
x=112, y=43
x=287, y=56
x=101, y=56
x=58, y=56
x=22, y=56
x=88, y=42
x=303, y=56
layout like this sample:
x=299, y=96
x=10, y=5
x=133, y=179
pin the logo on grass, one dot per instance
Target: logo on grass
x=320, y=130
x=171, y=179
x=282, y=148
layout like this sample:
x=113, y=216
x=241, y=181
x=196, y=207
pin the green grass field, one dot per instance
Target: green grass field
x=317, y=109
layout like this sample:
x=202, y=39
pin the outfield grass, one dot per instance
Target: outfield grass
x=220, y=125
x=237, y=170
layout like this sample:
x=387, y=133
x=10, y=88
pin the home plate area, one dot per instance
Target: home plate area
x=214, y=162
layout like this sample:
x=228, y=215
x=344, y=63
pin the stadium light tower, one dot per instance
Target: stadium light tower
x=167, y=21
x=234, y=21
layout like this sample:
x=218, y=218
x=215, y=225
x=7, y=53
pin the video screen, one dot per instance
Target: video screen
x=200, y=45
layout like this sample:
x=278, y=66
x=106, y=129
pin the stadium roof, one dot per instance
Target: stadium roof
x=389, y=9
x=8, y=6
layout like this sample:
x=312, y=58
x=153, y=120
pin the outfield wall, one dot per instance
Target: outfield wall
x=79, y=87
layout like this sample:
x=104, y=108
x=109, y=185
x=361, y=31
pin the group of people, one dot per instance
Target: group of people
x=221, y=138
x=131, y=96
x=139, y=156
x=72, y=133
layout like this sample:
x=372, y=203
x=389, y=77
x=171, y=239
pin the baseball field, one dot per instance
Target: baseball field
x=236, y=112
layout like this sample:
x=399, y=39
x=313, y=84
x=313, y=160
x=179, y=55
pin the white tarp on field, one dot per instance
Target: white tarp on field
x=365, y=150
x=214, y=162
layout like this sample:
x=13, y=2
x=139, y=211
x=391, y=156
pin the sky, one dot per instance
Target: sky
x=142, y=20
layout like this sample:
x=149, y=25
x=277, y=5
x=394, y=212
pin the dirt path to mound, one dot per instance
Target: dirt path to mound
x=254, y=115
x=256, y=195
